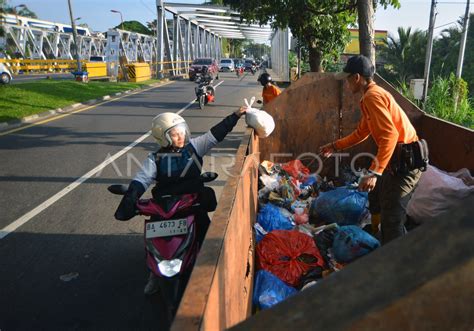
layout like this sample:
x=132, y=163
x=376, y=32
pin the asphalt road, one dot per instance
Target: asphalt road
x=65, y=263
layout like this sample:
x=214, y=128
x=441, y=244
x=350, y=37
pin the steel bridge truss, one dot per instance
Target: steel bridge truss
x=185, y=32
x=35, y=39
x=198, y=31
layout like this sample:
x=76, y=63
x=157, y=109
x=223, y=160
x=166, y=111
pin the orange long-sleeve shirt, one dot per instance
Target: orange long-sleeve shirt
x=388, y=124
x=269, y=93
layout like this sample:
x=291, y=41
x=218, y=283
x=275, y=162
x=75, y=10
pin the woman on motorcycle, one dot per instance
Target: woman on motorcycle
x=175, y=167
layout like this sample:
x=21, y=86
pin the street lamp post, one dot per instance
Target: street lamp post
x=74, y=34
x=121, y=17
x=16, y=13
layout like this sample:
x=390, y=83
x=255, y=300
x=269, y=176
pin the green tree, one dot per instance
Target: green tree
x=134, y=26
x=152, y=25
x=446, y=52
x=5, y=8
x=20, y=11
x=404, y=56
x=254, y=50
x=447, y=99
x=468, y=68
x=320, y=25
x=315, y=23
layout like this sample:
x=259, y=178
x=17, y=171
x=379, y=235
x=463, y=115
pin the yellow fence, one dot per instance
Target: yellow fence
x=29, y=66
x=138, y=72
x=96, y=69
x=168, y=63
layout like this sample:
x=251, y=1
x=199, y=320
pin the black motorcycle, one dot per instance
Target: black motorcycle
x=205, y=92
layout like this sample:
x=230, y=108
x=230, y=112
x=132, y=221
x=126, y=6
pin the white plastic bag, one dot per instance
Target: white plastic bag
x=437, y=192
x=261, y=121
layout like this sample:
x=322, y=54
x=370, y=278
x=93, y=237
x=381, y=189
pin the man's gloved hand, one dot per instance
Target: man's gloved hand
x=367, y=182
x=327, y=150
x=127, y=207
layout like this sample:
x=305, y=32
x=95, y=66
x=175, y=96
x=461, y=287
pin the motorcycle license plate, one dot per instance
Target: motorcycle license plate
x=166, y=228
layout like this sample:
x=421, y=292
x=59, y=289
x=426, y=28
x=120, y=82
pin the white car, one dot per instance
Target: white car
x=5, y=75
x=226, y=65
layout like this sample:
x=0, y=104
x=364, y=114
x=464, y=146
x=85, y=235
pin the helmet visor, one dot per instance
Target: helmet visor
x=178, y=135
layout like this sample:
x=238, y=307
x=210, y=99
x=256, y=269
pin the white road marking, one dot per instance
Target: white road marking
x=28, y=216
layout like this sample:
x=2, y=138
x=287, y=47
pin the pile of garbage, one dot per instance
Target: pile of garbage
x=307, y=228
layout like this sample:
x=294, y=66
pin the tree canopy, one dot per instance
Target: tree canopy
x=134, y=26
x=404, y=55
x=321, y=26
x=21, y=10
x=318, y=30
x=468, y=68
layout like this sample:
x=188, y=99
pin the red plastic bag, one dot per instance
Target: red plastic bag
x=296, y=169
x=288, y=254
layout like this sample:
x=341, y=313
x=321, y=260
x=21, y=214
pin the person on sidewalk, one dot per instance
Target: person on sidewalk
x=270, y=91
x=179, y=159
x=392, y=175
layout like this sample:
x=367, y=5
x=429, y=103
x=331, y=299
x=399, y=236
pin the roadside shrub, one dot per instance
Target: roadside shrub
x=448, y=99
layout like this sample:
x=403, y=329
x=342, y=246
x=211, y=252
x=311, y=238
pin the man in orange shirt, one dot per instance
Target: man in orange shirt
x=269, y=91
x=390, y=186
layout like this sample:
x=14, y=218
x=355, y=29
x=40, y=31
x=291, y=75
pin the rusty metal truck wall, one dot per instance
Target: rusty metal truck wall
x=219, y=292
x=419, y=282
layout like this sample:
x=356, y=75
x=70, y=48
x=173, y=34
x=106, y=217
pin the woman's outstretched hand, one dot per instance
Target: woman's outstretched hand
x=242, y=110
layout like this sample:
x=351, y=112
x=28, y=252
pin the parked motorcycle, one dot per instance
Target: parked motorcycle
x=174, y=232
x=205, y=92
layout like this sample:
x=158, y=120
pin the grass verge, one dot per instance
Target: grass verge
x=25, y=99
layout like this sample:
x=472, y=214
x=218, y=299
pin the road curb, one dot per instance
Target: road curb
x=4, y=126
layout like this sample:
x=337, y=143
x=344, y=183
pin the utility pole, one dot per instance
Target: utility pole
x=298, y=62
x=463, y=41
x=429, y=49
x=160, y=17
x=74, y=35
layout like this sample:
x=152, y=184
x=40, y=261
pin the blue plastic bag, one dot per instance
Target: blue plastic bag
x=310, y=180
x=271, y=217
x=259, y=232
x=351, y=242
x=342, y=205
x=270, y=290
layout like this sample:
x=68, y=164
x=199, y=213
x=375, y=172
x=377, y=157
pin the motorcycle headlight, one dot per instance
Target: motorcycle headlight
x=169, y=268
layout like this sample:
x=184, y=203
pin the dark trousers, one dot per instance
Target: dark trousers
x=390, y=198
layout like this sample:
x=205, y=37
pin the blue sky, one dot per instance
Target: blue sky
x=96, y=13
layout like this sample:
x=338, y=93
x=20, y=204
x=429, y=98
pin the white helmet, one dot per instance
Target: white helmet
x=163, y=123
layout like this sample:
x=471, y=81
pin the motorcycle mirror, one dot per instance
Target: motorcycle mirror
x=259, y=102
x=208, y=176
x=118, y=189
